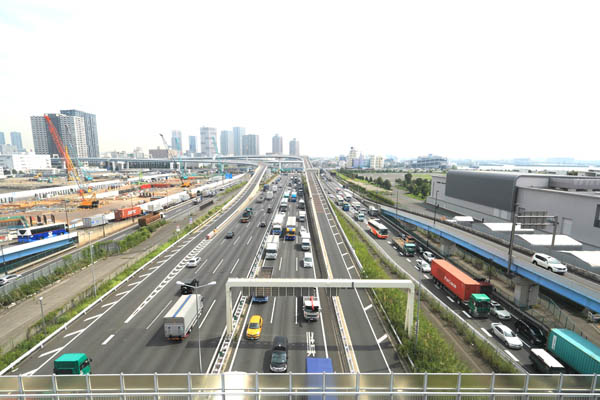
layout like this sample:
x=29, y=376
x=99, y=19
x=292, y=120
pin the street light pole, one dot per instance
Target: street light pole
x=436, y=207
x=42, y=307
x=92, y=262
x=418, y=307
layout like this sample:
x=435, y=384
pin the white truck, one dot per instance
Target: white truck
x=278, y=224
x=272, y=247
x=269, y=195
x=178, y=321
x=311, y=308
x=305, y=240
x=274, y=188
x=301, y=216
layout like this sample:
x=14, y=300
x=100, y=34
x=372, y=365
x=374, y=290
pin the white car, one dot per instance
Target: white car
x=423, y=265
x=498, y=311
x=548, y=262
x=428, y=256
x=308, y=260
x=7, y=278
x=193, y=262
x=507, y=336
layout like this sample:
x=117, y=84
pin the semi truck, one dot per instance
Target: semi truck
x=290, y=228
x=147, y=219
x=178, y=321
x=272, y=247
x=466, y=290
x=311, y=308
x=305, y=243
x=278, y=224
x=262, y=294
x=406, y=246
x=578, y=353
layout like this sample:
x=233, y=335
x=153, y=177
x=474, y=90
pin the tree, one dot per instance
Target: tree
x=379, y=181
x=407, y=179
x=387, y=184
x=424, y=190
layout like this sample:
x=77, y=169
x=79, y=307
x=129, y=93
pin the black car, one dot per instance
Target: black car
x=262, y=224
x=530, y=332
x=279, y=354
x=229, y=235
x=188, y=287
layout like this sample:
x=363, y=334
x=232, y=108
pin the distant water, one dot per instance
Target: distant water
x=536, y=168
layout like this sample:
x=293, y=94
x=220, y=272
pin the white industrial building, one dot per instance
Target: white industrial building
x=25, y=162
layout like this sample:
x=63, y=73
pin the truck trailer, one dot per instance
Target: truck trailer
x=462, y=287
x=128, y=212
x=178, y=321
x=578, y=353
x=278, y=224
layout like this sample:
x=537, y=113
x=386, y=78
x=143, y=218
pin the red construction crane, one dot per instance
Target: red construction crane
x=71, y=170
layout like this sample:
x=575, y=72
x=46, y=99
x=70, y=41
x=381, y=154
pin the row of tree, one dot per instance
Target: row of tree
x=418, y=187
x=380, y=182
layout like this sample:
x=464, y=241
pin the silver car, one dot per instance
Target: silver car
x=428, y=256
x=423, y=265
x=7, y=278
x=498, y=311
x=506, y=336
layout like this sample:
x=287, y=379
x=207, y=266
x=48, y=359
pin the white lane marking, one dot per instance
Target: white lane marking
x=344, y=254
x=108, y=339
x=367, y=308
x=134, y=283
x=466, y=314
x=159, y=314
x=200, y=267
x=206, y=315
x=273, y=310
x=486, y=332
x=145, y=275
x=109, y=304
x=239, y=338
x=450, y=298
x=280, y=260
x=235, y=265
x=381, y=339
x=340, y=243
x=249, y=240
x=350, y=267
x=236, y=240
x=296, y=310
x=51, y=352
x=218, y=265
x=94, y=317
x=74, y=333
x=511, y=355
x=122, y=293
x=296, y=263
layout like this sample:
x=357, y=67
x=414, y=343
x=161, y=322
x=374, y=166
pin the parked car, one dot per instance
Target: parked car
x=193, y=262
x=530, y=332
x=9, y=277
x=229, y=235
x=506, y=336
x=423, y=265
x=428, y=256
x=548, y=262
x=254, y=327
x=279, y=354
x=498, y=311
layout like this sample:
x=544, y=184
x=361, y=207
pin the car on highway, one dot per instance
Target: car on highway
x=548, y=262
x=530, y=332
x=506, y=336
x=9, y=277
x=498, y=311
x=279, y=354
x=189, y=287
x=193, y=262
x=423, y=266
x=262, y=224
x=428, y=256
x=254, y=327
x=308, y=260
x=229, y=235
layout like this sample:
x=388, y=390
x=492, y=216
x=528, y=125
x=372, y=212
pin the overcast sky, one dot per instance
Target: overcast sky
x=464, y=79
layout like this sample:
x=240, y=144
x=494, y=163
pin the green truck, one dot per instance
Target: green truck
x=578, y=353
x=406, y=246
x=73, y=364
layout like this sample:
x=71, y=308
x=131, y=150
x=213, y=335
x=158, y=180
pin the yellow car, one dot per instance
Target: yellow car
x=254, y=327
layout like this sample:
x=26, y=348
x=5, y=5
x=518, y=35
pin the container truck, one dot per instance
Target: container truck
x=178, y=321
x=466, y=290
x=269, y=196
x=261, y=295
x=311, y=307
x=150, y=218
x=272, y=247
x=290, y=228
x=94, y=220
x=278, y=224
x=573, y=350
x=125, y=213
x=305, y=243
x=406, y=246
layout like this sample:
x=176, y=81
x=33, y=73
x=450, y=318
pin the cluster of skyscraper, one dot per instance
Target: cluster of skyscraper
x=15, y=145
x=77, y=130
x=277, y=146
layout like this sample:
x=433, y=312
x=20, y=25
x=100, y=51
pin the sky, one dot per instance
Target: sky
x=463, y=79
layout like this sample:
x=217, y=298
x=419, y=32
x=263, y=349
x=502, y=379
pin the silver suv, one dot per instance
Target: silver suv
x=548, y=262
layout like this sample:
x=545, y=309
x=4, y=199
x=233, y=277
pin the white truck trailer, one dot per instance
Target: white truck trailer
x=178, y=321
x=278, y=224
x=272, y=247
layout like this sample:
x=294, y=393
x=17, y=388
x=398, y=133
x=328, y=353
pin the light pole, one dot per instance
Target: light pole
x=435, y=208
x=66, y=215
x=198, y=315
x=418, y=307
x=42, y=307
x=92, y=262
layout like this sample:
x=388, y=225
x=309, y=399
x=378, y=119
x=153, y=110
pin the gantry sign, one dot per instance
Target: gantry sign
x=306, y=287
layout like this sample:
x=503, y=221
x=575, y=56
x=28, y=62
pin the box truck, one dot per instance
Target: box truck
x=578, y=353
x=272, y=247
x=178, y=321
x=278, y=224
x=305, y=241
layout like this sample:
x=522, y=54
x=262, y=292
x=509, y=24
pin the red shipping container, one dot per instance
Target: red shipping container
x=459, y=283
x=146, y=186
x=125, y=213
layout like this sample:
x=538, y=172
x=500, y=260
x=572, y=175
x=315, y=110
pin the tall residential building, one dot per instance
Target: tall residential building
x=70, y=129
x=91, y=130
x=2, y=141
x=193, y=147
x=250, y=145
x=238, y=132
x=176, y=143
x=227, y=144
x=376, y=162
x=15, y=140
x=294, y=147
x=208, y=141
x=277, y=145
x=351, y=157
